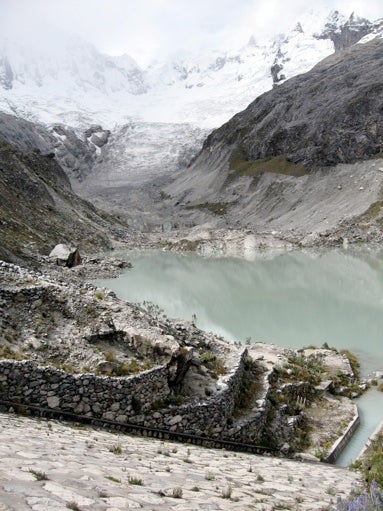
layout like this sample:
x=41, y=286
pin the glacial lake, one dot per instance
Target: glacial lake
x=293, y=299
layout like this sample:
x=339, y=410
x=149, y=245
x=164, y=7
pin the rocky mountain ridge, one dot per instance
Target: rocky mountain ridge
x=275, y=158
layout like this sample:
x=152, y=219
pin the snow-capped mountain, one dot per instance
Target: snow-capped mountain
x=116, y=126
x=71, y=82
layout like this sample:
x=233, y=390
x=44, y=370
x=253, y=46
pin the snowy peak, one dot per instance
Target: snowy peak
x=61, y=79
x=345, y=32
x=68, y=63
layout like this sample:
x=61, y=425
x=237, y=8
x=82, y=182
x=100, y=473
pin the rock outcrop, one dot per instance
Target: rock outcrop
x=330, y=115
x=64, y=255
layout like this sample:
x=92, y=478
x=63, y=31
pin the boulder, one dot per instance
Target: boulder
x=65, y=255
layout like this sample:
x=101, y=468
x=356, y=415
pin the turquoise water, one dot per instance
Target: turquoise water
x=292, y=299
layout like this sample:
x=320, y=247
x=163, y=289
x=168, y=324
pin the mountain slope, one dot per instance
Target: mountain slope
x=38, y=208
x=249, y=168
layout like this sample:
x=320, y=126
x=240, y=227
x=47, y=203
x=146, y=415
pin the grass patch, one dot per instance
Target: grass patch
x=239, y=165
x=116, y=449
x=372, y=462
x=113, y=479
x=7, y=352
x=211, y=362
x=135, y=480
x=306, y=369
x=39, y=475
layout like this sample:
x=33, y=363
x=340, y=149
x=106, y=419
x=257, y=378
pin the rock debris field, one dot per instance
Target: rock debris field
x=46, y=465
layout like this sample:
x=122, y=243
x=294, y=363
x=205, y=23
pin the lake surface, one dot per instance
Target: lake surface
x=294, y=299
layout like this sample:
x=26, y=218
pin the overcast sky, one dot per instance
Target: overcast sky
x=146, y=29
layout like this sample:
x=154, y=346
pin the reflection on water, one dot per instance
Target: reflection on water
x=293, y=299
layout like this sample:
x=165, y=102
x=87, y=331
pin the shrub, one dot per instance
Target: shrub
x=135, y=480
x=226, y=492
x=209, y=476
x=99, y=294
x=39, y=475
x=116, y=448
x=177, y=492
x=370, y=500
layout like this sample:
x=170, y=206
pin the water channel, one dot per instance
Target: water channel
x=293, y=299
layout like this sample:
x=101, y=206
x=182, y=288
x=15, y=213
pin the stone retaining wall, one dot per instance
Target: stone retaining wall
x=200, y=418
x=129, y=399
x=109, y=398
x=342, y=441
x=140, y=400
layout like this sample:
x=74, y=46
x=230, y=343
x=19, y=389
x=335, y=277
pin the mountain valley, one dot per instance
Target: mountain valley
x=124, y=134
x=275, y=143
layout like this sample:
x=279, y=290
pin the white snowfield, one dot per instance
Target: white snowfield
x=71, y=82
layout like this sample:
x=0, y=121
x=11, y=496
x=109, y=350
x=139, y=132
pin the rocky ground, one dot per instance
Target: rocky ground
x=52, y=318
x=49, y=465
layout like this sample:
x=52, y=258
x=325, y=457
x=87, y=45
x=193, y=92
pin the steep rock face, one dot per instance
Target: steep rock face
x=39, y=209
x=330, y=115
x=344, y=33
x=76, y=151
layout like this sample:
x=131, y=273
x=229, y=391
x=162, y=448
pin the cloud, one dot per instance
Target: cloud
x=149, y=28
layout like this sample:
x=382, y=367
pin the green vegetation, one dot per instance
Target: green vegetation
x=99, y=294
x=211, y=362
x=39, y=475
x=135, y=480
x=353, y=362
x=113, y=479
x=116, y=448
x=372, y=462
x=172, y=400
x=239, y=165
x=177, y=492
x=226, y=492
x=249, y=388
x=7, y=352
x=300, y=368
x=136, y=405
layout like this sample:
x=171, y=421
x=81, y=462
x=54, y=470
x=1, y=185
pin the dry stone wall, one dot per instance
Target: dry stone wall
x=141, y=400
x=109, y=398
x=130, y=399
